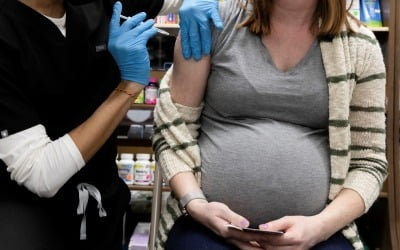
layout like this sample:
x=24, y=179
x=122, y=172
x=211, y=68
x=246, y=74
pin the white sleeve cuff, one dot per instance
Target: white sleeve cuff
x=365, y=185
x=41, y=165
x=73, y=150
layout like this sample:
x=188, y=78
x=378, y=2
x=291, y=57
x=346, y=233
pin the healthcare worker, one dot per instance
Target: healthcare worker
x=69, y=71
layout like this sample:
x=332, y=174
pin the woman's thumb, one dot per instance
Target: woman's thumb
x=279, y=224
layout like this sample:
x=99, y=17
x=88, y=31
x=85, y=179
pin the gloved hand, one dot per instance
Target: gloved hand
x=195, y=24
x=127, y=45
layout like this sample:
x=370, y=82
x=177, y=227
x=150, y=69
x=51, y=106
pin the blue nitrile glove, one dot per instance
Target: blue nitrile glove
x=127, y=44
x=195, y=28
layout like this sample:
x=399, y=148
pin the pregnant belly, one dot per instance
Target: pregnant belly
x=265, y=170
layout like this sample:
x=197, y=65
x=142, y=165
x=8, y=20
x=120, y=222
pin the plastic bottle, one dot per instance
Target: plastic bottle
x=150, y=92
x=125, y=168
x=140, y=98
x=142, y=169
x=152, y=168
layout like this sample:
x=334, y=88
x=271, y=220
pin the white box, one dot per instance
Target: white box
x=140, y=237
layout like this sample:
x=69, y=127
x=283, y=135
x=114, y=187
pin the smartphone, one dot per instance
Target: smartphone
x=248, y=229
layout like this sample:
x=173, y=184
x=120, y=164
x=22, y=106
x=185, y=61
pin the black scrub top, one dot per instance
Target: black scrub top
x=57, y=81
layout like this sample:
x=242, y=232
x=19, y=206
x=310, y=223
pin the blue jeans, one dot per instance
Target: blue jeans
x=189, y=234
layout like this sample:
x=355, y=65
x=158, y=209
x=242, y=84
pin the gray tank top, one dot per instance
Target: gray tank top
x=264, y=141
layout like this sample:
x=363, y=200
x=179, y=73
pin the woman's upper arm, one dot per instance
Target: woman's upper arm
x=189, y=78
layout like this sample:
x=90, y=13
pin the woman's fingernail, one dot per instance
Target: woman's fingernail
x=264, y=226
x=244, y=223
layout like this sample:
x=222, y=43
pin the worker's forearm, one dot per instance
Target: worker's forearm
x=94, y=132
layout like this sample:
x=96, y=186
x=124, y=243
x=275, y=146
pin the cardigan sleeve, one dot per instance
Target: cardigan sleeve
x=368, y=164
x=175, y=132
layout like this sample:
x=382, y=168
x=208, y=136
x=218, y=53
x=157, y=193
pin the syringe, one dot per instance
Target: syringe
x=158, y=30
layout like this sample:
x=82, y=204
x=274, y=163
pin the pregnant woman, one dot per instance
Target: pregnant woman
x=290, y=106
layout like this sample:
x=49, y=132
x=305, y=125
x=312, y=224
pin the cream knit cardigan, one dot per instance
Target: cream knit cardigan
x=355, y=74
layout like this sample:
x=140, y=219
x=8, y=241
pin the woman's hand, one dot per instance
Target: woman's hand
x=195, y=17
x=301, y=233
x=216, y=216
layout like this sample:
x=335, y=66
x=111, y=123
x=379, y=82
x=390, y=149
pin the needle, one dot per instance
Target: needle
x=158, y=30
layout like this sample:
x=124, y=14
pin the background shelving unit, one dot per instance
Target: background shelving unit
x=147, y=188
x=380, y=29
x=142, y=106
x=394, y=120
x=389, y=39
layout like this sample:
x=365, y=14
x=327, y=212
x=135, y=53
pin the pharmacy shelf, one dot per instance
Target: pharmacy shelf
x=125, y=141
x=379, y=29
x=134, y=187
x=167, y=25
x=383, y=194
x=142, y=106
